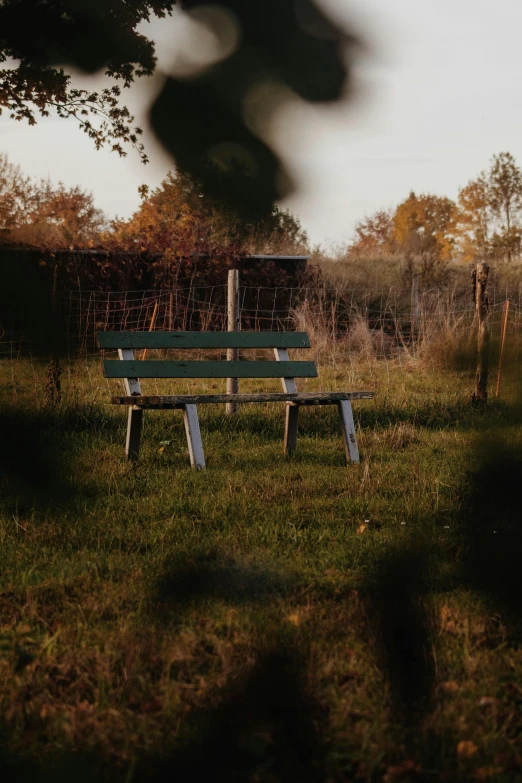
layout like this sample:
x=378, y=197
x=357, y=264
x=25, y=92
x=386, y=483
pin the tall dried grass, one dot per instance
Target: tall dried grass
x=442, y=334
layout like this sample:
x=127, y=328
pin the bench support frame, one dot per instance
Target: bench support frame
x=193, y=433
x=292, y=411
x=348, y=428
x=135, y=422
x=135, y=417
x=134, y=428
x=188, y=404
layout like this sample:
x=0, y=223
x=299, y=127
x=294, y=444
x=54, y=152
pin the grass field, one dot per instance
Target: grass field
x=268, y=619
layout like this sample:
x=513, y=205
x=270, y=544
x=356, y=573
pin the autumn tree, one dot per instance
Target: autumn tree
x=487, y=223
x=419, y=225
x=505, y=201
x=374, y=235
x=60, y=217
x=15, y=194
x=43, y=214
x=474, y=220
x=423, y=225
x=180, y=218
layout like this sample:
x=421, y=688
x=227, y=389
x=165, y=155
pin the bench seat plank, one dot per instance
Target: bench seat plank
x=182, y=340
x=301, y=398
x=209, y=369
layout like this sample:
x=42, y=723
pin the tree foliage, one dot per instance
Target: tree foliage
x=14, y=189
x=505, y=200
x=281, y=42
x=180, y=218
x=375, y=235
x=43, y=214
x=420, y=225
x=39, y=38
x=485, y=223
x=473, y=219
x=488, y=222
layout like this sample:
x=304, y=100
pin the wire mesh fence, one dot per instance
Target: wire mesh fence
x=346, y=326
x=388, y=311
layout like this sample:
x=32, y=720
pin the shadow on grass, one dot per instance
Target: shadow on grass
x=492, y=529
x=192, y=579
x=30, y=464
x=62, y=770
x=34, y=450
x=265, y=727
x=401, y=630
x=318, y=421
x=431, y=416
x=487, y=561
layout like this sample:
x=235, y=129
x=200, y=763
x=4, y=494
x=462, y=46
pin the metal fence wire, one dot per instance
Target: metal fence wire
x=389, y=312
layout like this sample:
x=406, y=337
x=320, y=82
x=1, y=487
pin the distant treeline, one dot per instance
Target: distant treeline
x=484, y=223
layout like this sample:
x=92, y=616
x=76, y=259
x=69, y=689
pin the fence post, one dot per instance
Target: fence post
x=234, y=325
x=480, y=281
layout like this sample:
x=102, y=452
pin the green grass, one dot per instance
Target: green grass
x=267, y=619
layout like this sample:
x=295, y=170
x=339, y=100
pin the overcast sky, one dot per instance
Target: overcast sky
x=438, y=93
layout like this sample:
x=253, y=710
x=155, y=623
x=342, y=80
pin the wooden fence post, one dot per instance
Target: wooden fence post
x=480, y=281
x=234, y=325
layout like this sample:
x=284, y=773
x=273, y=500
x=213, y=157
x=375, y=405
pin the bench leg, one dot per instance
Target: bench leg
x=291, y=423
x=195, y=446
x=134, y=426
x=348, y=428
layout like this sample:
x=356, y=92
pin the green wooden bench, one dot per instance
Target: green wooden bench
x=131, y=370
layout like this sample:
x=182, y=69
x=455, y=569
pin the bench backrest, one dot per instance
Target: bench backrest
x=130, y=368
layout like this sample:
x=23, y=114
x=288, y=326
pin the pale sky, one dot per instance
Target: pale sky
x=438, y=93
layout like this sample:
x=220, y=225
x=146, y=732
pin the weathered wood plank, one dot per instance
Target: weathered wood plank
x=193, y=433
x=348, y=428
x=187, y=340
x=208, y=369
x=301, y=398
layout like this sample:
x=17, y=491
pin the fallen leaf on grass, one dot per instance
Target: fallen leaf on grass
x=466, y=749
x=362, y=528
